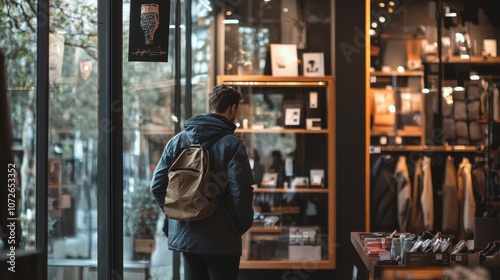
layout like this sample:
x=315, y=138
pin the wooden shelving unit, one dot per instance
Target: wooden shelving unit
x=316, y=144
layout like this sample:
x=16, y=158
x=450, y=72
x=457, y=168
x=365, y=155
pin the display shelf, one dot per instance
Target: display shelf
x=410, y=73
x=288, y=190
x=265, y=230
x=431, y=148
x=472, y=59
x=382, y=271
x=284, y=264
x=281, y=130
x=280, y=209
x=267, y=125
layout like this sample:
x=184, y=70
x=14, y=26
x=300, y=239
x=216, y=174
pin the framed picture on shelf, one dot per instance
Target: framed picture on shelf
x=293, y=114
x=317, y=177
x=313, y=64
x=299, y=182
x=269, y=180
x=284, y=60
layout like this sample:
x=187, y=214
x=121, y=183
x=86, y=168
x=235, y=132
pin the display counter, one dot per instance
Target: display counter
x=377, y=270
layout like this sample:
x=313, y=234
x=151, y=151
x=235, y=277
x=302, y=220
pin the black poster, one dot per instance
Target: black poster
x=149, y=25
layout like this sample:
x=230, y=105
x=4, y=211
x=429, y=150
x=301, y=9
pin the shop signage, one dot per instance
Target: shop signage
x=149, y=26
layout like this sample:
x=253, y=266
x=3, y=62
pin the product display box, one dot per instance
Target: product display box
x=427, y=259
x=304, y=252
x=439, y=259
x=303, y=244
x=465, y=259
x=416, y=259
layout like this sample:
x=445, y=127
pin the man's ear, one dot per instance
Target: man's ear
x=234, y=109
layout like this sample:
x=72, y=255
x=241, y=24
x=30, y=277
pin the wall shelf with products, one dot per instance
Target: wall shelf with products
x=288, y=126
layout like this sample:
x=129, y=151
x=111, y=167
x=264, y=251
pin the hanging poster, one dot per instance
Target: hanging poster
x=149, y=26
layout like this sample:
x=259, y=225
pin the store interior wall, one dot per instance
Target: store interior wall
x=418, y=18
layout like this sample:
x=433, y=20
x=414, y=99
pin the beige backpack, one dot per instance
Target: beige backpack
x=191, y=196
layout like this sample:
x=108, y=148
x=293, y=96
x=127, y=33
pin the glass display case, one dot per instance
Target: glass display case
x=288, y=126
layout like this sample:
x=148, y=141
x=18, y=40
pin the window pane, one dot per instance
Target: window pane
x=73, y=129
x=148, y=122
x=203, y=25
x=18, y=41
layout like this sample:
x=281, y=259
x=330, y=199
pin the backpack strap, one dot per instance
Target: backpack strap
x=185, y=139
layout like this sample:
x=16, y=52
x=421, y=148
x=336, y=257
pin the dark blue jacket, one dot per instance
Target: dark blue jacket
x=221, y=233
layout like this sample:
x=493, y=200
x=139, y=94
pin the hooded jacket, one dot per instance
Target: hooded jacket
x=219, y=234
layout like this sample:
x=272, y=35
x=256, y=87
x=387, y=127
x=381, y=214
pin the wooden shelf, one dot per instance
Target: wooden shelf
x=414, y=73
x=473, y=59
x=313, y=145
x=280, y=209
x=417, y=148
x=281, y=130
x=265, y=230
x=269, y=81
x=401, y=36
x=288, y=190
x=285, y=264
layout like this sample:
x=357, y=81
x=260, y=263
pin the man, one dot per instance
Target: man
x=212, y=247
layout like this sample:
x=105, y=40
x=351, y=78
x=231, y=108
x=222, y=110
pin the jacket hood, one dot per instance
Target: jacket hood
x=207, y=128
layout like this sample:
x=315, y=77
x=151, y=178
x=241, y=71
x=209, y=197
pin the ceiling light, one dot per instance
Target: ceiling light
x=381, y=19
x=374, y=24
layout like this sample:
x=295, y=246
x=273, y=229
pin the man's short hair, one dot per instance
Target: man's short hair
x=222, y=97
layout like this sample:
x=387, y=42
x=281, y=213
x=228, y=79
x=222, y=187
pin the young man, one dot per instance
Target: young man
x=212, y=247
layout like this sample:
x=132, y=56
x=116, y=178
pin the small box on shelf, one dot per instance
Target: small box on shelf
x=465, y=259
x=416, y=259
x=439, y=259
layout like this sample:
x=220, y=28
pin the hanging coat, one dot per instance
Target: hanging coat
x=469, y=203
x=383, y=195
x=416, y=221
x=450, y=224
x=427, y=197
x=404, y=193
